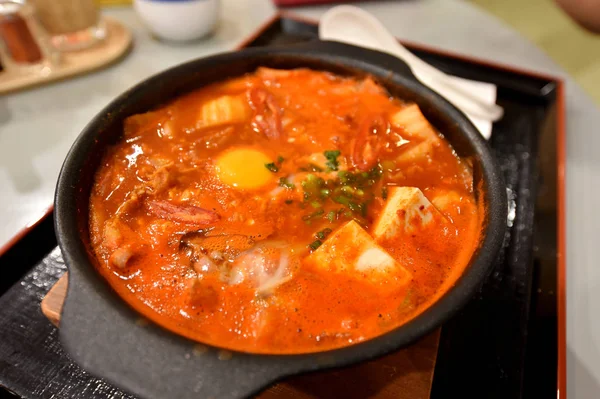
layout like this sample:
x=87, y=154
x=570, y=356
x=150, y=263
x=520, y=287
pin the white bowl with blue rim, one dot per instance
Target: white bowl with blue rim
x=178, y=20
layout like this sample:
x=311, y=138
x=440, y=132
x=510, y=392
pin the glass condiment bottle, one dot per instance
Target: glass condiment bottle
x=20, y=44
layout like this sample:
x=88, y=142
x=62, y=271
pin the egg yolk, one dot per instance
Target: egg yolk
x=244, y=168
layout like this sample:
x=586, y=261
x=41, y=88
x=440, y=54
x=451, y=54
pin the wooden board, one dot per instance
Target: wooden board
x=115, y=46
x=406, y=374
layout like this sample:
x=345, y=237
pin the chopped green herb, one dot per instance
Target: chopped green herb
x=272, y=167
x=315, y=244
x=354, y=207
x=349, y=191
x=311, y=167
x=360, y=180
x=312, y=186
x=353, y=190
x=321, y=235
x=332, y=161
x=313, y=215
x=283, y=182
x=331, y=215
x=280, y=159
x=288, y=201
x=384, y=192
x=361, y=209
x=344, y=176
x=342, y=200
x=375, y=173
x=316, y=204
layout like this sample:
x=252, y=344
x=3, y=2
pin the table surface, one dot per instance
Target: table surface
x=38, y=126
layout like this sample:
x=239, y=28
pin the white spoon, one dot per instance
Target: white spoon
x=351, y=25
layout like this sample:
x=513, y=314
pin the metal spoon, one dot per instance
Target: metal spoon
x=351, y=25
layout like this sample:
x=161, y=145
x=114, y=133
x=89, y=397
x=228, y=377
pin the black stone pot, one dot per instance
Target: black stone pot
x=99, y=330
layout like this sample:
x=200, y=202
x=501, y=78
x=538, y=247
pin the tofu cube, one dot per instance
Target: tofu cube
x=446, y=201
x=413, y=122
x=351, y=250
x=407, y=210
x=416, y=153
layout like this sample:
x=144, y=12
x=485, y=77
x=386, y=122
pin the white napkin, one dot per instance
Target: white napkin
x=483, y=90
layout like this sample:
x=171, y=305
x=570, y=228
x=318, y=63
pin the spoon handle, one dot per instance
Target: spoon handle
x=433, y=77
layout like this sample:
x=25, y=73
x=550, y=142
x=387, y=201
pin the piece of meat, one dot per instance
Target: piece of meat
x=122, y=256
x=218, y=248
x=112, y=235
x=134, y=199
x=188, y=214
x=160, y=180
x=204, y=264
x=267, y=113
x=217, y=138
x=163, y=178
x=264, y=267
x=368, y=142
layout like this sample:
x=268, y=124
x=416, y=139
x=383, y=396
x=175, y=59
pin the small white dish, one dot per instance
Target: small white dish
x=178, y=20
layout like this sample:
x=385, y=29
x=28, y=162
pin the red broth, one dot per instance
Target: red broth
x=283, y=212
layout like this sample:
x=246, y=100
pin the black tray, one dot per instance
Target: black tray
x=502, y=345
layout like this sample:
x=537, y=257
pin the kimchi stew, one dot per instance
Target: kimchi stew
x=284, y=211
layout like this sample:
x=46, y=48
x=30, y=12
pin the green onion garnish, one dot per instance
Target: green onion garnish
x=331, y=216
x=332, y=162
x=342, y=200
x=272, y=167
x=313, y=215
x=316, y=204
x=283, y=182
x=315, y=244
x=321, y=235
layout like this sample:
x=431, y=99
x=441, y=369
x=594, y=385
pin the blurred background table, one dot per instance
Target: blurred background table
x=38, y=126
